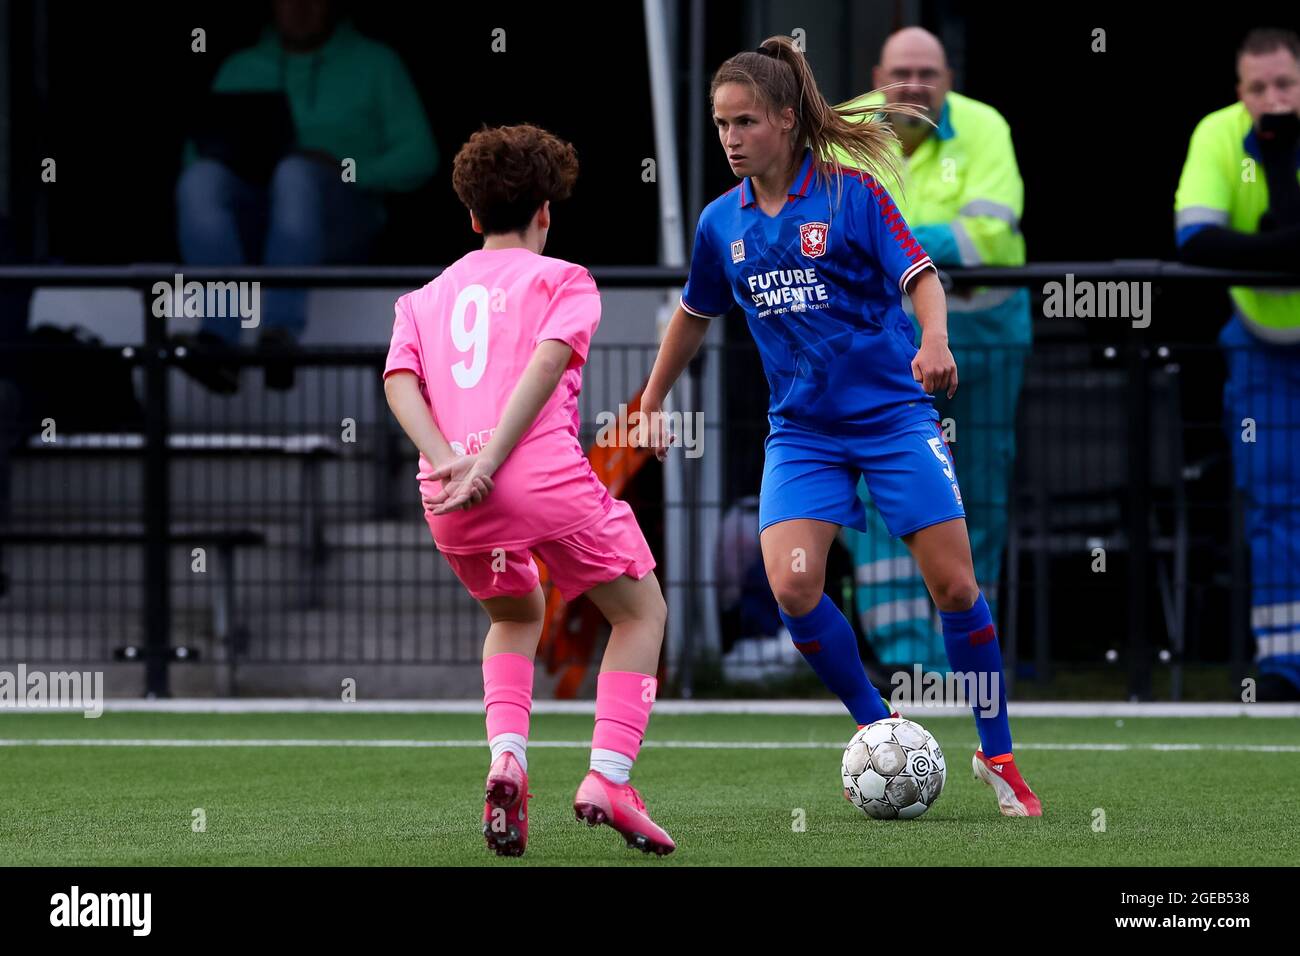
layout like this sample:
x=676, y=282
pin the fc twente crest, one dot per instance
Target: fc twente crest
x=812, y=239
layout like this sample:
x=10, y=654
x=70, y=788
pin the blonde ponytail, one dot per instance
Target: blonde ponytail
x=780, y=75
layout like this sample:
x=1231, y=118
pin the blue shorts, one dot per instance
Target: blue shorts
x=909, y=473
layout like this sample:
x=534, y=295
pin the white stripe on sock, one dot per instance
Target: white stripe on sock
x=516, y=744
x=615, y=766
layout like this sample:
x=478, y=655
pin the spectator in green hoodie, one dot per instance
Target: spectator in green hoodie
x=350, y=98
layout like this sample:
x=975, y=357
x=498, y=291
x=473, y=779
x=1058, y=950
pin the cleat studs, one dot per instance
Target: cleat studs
x=591, y=815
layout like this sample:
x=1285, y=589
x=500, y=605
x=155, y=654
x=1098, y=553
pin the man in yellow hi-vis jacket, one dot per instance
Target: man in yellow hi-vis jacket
x=962, y=195
x=1238, y=207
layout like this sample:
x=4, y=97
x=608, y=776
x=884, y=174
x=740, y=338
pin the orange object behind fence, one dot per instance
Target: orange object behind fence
x=570, y=631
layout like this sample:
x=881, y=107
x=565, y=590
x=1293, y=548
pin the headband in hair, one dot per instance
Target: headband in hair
x=765, y=52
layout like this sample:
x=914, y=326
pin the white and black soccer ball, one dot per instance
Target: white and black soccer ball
x=893, y=769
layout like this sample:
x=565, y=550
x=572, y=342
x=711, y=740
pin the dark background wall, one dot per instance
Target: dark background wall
x=122, y=84
x=1100, y=136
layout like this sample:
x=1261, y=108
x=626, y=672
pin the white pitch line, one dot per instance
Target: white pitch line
x=586, y=744
x=785, y=708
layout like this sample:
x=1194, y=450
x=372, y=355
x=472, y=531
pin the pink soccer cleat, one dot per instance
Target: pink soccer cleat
x=599, y=800
x=505, y=810
x=1015, y=799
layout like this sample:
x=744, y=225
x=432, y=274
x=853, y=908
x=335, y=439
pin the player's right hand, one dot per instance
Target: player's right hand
x=652, y=432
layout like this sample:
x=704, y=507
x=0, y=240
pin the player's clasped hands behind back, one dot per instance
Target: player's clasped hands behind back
x=465, y=483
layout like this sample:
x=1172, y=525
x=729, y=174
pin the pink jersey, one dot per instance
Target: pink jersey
x=468, y=335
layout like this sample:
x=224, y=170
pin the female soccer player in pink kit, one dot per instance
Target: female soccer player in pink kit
x=483, y=374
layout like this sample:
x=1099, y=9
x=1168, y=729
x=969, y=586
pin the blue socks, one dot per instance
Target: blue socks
x=828, y=644
x=826, y=640
x=972, y=645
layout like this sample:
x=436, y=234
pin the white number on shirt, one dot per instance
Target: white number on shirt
x=474, y=337
x=936, y=446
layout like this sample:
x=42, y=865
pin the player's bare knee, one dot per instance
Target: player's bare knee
x=956, y=594
x=656, y=609
x=627, y=600
x=525, y=609
x=796, y=595
x=647, y=606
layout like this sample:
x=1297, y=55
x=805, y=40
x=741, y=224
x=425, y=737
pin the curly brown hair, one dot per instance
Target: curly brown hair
x=504, y=174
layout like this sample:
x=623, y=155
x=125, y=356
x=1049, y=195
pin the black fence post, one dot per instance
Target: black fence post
x=1239, y=603
x=691, y=501
x=1139, y=458
x=157, y=505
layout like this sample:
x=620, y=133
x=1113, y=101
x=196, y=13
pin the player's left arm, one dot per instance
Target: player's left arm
x=468, y=479
x=934, y=367
x=541, y=377
x=877, y=228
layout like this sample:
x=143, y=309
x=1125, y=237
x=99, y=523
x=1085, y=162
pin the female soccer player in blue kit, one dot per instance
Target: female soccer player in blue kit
x=818, y=256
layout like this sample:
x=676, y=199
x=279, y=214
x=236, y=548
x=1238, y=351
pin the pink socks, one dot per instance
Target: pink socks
x=623, y=703
x=508, y=700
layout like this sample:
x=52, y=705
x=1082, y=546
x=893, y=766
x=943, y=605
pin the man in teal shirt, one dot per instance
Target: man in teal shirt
x=360, y=132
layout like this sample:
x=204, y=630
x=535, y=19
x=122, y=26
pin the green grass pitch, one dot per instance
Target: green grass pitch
x=77, y=805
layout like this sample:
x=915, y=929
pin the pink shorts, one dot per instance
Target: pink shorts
x=599, y=553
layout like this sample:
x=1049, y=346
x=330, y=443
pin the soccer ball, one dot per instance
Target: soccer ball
x=893, y=769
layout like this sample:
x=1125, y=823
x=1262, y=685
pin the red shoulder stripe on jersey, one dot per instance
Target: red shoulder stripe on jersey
x=892, y=219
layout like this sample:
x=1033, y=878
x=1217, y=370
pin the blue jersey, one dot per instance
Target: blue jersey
x=822, y=290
